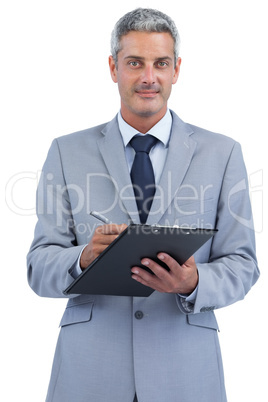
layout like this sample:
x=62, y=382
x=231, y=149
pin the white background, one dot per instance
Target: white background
x=55, y=80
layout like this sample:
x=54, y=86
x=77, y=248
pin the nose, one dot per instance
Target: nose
x=148, y=76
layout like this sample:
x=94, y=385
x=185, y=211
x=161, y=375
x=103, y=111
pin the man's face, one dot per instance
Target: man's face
x=145, y=73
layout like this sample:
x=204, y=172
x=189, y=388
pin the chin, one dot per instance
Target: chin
x=145, y=111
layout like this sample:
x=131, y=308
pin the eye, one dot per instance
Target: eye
x=134, y=63
x=162, y=64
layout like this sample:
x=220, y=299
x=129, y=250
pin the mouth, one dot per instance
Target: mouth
x=147, y=94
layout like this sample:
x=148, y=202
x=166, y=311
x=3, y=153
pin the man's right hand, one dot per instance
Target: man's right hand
x=103, y=236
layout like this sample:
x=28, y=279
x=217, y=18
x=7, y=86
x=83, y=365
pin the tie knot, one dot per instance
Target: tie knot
x=143, y=143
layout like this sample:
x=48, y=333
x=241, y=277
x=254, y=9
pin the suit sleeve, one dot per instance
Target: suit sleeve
x=54, y=251
x=232, y=268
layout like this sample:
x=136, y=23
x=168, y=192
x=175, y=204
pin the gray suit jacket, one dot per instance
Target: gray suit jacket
x=169, y=351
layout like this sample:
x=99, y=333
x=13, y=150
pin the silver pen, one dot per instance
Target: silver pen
x=100, y=217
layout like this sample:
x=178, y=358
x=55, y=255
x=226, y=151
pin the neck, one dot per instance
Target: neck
x=142, y=123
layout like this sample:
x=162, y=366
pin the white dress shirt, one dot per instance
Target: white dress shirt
x=158, y=153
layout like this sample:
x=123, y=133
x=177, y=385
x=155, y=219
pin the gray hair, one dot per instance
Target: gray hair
x=143, y=20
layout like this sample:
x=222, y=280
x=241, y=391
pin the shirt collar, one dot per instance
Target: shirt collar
x=160, y=130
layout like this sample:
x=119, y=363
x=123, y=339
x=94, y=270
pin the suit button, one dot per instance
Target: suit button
x=139, y=315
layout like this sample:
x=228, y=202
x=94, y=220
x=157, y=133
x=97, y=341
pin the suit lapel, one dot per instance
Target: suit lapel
x=113, y=152
x=180, y=153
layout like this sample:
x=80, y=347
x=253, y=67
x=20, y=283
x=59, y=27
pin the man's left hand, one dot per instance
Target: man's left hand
x=181, y=279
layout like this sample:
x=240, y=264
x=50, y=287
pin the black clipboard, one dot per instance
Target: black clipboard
x=110, y=273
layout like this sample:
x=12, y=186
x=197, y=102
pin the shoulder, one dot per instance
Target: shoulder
x=84, y=140
x=205, y=138
x=213, y=143
x=201, y=134
x=82, y=136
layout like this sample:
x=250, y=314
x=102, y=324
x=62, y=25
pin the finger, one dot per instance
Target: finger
x=158, y=272
x=141, y=273
x=106, y=234
x=104, y=239
x=147, y=279
x=172, y=264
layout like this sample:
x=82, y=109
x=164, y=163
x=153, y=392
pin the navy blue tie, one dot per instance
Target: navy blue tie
x=142, y=174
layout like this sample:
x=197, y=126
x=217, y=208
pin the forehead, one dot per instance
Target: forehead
x=157, y=44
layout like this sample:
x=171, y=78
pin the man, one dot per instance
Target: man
x=164, y=347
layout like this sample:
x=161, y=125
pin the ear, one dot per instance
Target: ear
x=176, y=71
x=113, y=69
